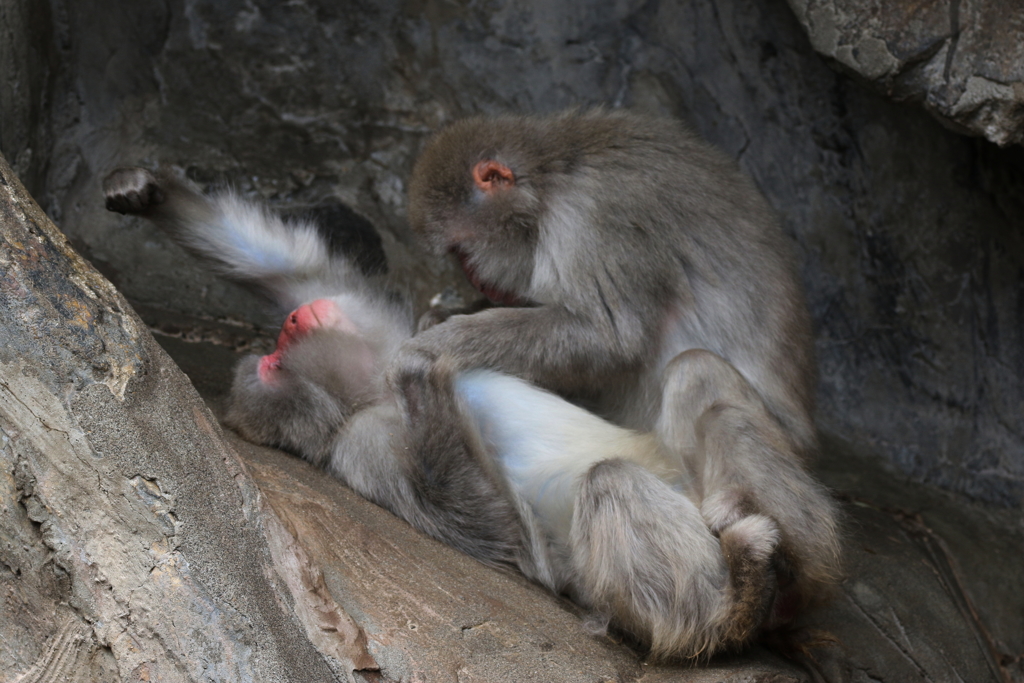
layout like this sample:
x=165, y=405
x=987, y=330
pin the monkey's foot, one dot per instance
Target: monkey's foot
x=132, y=190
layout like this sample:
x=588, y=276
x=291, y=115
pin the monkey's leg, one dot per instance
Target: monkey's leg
x=240, y=240
x=645, y=558
x=545, y=445
x=638, y=549
x=743, y=464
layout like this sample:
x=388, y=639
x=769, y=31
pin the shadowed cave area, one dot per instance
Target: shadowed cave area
x=910, y=238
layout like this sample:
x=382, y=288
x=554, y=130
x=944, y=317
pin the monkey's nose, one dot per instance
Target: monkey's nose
x=311, y=316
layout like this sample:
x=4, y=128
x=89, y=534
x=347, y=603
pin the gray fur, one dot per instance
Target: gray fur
x=644, y=557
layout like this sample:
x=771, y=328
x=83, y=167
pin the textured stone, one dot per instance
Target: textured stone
x=132, y=545
x=963, y=60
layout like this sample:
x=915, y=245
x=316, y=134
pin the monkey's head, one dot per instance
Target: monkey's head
x=297, y=397
x=477, y=191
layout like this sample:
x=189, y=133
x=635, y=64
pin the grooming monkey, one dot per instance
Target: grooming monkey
x=617, y=242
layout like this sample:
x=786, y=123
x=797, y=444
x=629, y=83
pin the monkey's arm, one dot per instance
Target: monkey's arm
x=238, y=239
x=550, y=346
x=414, y=455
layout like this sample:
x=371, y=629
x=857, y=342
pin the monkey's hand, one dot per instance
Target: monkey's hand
x=132, y=190
x=425, y=388
x=434, y=352
x=555, y=348
x=435, y=316
x=439, y=314
x=416, y=356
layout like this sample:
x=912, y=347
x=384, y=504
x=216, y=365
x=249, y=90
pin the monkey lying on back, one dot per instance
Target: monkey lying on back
x=487, y=463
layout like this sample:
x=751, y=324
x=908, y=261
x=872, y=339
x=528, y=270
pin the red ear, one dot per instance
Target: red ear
x=489, y=175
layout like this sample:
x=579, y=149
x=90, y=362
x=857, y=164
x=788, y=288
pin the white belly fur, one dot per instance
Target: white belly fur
x=545, y=444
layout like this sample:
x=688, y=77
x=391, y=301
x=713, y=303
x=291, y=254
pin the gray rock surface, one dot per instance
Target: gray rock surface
x=132, y=542
x=963, y=60
x=28, y=60
x=910, y=235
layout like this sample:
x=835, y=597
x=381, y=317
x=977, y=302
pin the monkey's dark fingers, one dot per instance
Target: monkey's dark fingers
x=411, y=359
x=132, y=190
x=439, y=314
x=442, y=372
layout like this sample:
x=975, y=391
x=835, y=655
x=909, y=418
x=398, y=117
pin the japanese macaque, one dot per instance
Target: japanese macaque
x=641, y=277
x=617, y=242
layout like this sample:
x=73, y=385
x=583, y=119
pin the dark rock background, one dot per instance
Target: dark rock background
x=911, y=236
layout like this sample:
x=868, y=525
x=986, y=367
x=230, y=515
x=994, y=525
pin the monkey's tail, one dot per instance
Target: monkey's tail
x=644, y=557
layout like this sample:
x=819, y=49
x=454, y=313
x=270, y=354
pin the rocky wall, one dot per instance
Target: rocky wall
x=964, y=61
x=911, y=236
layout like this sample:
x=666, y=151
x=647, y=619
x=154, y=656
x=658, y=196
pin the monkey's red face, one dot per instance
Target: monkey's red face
x=487, y=238
x=322, y=314
x=475, y=195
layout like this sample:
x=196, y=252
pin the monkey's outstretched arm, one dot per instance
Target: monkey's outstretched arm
x=549, y=346
x=240, y=240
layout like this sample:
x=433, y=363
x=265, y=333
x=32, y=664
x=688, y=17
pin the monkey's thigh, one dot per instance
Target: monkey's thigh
x=644, y=557
x=742, y=464
x=717, y=424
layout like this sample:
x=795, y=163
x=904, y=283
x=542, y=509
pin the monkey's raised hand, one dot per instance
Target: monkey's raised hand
x=289, y=261
x=341, y=329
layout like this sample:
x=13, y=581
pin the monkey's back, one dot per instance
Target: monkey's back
x=678, y=232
